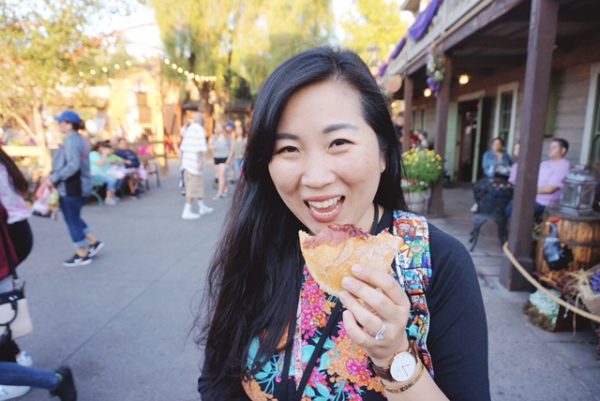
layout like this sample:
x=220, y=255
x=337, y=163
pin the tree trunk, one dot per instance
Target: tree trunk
x=40, y=137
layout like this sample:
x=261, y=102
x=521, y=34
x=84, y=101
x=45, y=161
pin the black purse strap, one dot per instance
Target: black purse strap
x=294, y=393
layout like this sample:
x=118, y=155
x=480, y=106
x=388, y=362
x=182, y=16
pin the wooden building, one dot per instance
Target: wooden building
x=529, y=70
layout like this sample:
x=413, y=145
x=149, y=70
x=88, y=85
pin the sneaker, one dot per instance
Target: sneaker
x=24, y=359
x=205, y=209
x=10, y=392
x=111, y=201
x=188, y=214
x=77, y=260
x=66, y=390
x=94, y=249
x=474, y=208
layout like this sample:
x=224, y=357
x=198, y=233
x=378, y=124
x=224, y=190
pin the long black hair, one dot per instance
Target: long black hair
x=255, y=274
x=18, y=179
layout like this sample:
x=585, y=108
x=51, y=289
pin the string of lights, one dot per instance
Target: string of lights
x=180, y=70
x=190, y=75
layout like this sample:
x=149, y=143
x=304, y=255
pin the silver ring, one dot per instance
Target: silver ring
x=381, y=332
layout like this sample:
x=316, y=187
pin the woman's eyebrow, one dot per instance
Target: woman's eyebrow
x=335, y=127
x=326, y=130
x=285, y=135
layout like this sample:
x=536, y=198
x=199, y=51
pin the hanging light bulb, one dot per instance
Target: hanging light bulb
x=464, y=79
x=427, y=92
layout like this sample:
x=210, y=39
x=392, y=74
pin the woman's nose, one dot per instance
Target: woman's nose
x=317, y=173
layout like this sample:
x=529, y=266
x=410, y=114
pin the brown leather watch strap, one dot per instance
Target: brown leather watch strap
x=385, y=373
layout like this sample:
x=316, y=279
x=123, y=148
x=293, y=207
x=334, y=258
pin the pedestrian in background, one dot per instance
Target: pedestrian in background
x=321, y=151
x=71, y=176
x=220, y=145
x=16, y=375
x=103, y=171
x=132, y=165
x=495, y=157
x=193, y=147
x=239, y=149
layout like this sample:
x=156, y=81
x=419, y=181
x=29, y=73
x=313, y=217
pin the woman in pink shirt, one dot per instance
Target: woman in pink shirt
x=550, y=177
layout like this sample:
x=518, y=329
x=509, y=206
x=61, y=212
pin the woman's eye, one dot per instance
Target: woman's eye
x=286, y=149
x=339, y=142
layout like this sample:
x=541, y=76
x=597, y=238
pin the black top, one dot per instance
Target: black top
x=457, y=339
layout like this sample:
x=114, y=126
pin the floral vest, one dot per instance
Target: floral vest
x=342, y=372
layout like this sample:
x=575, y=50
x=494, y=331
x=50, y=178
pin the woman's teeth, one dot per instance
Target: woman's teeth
x=324, y=206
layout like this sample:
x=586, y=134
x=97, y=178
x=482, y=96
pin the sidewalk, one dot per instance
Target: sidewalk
x=123, y=322
x=526, y=362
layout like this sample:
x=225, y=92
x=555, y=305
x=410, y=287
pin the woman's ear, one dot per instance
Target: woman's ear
x=382, y=162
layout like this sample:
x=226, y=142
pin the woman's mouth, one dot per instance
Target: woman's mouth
x=326, y=210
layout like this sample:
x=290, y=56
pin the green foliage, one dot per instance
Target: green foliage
x=244, y=37
x=373, y=28
x=43, y=46
x=422, y=168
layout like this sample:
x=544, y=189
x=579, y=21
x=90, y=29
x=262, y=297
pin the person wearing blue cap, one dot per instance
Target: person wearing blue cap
x=71, y=176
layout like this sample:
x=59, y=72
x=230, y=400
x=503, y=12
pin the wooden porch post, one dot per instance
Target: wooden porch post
x=436, y=207
x=408, y=116
x=542, y=36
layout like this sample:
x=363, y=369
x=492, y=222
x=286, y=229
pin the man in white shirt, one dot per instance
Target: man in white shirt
x=192, y=151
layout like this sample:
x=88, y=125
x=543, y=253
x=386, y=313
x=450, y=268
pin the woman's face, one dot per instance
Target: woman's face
x=327, y=164
x=65, y=127
x=497, y=146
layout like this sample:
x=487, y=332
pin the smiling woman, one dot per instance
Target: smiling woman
x=322, y=151
x=321, y=136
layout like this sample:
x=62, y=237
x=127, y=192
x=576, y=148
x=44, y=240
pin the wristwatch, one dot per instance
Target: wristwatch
x=403, y=367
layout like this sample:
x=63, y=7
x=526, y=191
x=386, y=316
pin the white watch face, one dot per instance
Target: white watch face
x=403, y=366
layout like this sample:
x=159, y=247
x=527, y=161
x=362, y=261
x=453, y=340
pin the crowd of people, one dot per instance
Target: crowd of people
x=78, y=168
x=499, y=166
x=227, y=145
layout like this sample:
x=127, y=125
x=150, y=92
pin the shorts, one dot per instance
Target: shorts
x=220, y=160
x=194, y=185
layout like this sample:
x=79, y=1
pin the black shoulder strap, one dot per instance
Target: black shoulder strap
x=297, y=394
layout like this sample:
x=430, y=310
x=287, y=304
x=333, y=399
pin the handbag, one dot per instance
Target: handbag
x=15, y=320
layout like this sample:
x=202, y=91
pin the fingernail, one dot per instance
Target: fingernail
x=348, y=283
x=357, y=269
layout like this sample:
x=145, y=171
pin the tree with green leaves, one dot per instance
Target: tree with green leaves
x=240, y=38
x=44, y=46
x=373, y=28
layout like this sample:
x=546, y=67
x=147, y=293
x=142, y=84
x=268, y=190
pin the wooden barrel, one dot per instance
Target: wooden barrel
x=580, y=233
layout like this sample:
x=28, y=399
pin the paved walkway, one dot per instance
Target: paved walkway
x=123, y=322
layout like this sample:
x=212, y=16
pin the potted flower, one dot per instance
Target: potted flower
x=422, y=169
